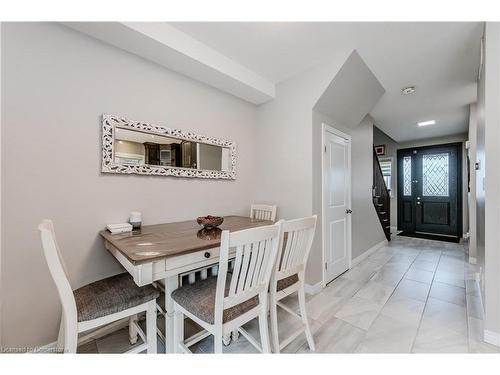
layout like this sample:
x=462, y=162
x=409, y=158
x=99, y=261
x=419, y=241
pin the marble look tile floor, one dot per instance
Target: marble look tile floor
x=411, y=296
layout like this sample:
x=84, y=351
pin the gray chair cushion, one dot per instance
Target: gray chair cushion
x=111, y=295
x=286, y=282
x=199, y=300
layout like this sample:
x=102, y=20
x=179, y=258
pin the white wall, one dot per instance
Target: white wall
x=284, y=136
x=492, y=178
x=289, y=152
x=284, y=153
x=480, y=177
x=56, y=83
x=487, y=188
x=434, y=141
x=472, y=194
x=1, y=239
x=366, y=228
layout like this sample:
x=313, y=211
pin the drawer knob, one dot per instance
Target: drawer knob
x=207, y=254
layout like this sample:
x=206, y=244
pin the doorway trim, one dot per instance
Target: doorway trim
x=328, y=128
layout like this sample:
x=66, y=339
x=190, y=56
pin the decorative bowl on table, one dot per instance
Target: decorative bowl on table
x=210, y=222
x=209, y=234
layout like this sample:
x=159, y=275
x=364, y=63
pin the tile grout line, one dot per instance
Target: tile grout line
x=378, y=314
x=402, y=278
x=321, y=324
x=393, y=291
x=356, y=291
x=426, y=300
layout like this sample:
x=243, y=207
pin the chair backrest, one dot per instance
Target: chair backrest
x=58, y=271
x=263, y=212
x=256, y=251
x=295, y=246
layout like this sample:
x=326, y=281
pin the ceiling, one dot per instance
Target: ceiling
x=440, y=58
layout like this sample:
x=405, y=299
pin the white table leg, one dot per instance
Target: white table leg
x=171, y=284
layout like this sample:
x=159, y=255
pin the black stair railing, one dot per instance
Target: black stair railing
x=381, y=197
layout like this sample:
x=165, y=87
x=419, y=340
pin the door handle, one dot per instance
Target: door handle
x=348, y=211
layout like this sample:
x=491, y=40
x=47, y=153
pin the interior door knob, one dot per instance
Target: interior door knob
x=348, y=211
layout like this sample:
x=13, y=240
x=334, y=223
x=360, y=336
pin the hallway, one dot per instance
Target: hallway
x=411, y=296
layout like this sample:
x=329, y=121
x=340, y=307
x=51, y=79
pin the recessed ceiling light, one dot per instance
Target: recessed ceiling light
x=426, y=123
x=408, y=90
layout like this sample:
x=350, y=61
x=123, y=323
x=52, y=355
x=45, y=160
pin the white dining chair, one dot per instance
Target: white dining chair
x=99, y=303
x=225, y=303
x=288, y=277
x=263, y=212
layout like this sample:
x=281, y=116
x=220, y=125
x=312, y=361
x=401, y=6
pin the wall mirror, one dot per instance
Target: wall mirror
x=142, y=148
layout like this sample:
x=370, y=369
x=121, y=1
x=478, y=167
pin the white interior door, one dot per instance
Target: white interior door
x=336, y=203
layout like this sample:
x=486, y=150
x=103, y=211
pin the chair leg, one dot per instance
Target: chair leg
x=70, y=339
x=226, y=339
x=67, y=340
x=178, y=330
x=274, y=323
x=218, y=342
x=264, y=330
x=303, y=314
x=235, y=335
x=151, y=327
x=60, y=337
x=132, y=329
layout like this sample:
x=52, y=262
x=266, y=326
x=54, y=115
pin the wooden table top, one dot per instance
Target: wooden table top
x=154, y=242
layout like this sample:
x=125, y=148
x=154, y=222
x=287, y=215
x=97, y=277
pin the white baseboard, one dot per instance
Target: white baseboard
x=313, y=289
x=369, y=252
x=491, y=337
x=472, y=260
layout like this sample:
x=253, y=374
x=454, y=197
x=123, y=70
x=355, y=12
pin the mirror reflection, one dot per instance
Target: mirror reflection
x=132, y=147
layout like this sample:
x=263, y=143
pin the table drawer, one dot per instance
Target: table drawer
x=194, y=260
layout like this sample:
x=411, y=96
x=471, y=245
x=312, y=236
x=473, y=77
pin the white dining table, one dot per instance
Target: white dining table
x=165, y=254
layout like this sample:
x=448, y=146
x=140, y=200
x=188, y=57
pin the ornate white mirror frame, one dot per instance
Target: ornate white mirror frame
x=109, y=125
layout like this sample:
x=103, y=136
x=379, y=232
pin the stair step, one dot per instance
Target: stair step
x=380, y=204
x=382, y=212
x=385, y=219
x=387, y=227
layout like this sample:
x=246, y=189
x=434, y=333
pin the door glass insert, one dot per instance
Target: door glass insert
x=435, y=172
x=407, y=175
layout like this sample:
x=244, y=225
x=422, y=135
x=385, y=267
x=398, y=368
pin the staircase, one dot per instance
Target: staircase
x=381, y=197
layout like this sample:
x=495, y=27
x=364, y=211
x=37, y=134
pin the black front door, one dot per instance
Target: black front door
x=429, y=190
